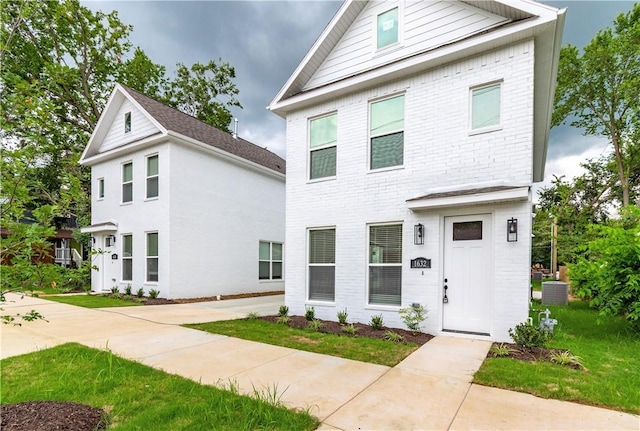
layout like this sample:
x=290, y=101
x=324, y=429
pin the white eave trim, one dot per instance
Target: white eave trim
x=515, y=194
x=100, y=227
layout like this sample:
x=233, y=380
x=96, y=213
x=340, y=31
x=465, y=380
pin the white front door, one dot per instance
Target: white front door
x=467, y=274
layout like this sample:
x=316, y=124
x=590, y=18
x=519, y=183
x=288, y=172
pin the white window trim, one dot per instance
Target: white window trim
x=370, y=136
x=147, y=257
x=309, y=149
x=308, y=265
x=383, y=307
x=487, y=129
x=400, y=42
x=147, y=176
x=101, y=182
x=271, y=261
x=122, y=183
x=127, y=258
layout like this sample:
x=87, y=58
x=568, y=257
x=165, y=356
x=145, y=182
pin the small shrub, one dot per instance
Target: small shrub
x=283, y=311
x=500, y=350
x=377, y=322
x=315, y=325
x=127, y=290
x=350, y=329
x=413, y=317
x=253, y=316
x=310, y=314
x=566, y=358
x=283, y=320
x=115, y=290
x=342, y=316
x=393, y=337
x=153, y=293
x=140, y=293
x=529, y=336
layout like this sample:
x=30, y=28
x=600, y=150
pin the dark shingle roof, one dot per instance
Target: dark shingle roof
x=176, y=121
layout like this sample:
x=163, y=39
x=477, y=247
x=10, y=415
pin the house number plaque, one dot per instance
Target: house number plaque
x=114, y=256
x=420, y=263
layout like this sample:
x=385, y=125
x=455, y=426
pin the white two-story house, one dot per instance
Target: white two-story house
x=181, y=207
x=415, y=130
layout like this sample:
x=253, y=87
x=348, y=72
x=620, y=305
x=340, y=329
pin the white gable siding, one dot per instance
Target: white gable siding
x=438, y=151
x=422, y=26
x=141, y=127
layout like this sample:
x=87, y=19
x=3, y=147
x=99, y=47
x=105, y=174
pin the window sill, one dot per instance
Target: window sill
x=271, y=281
x=316, y=303
x=379, y=52
x=155, y=198
x=99, y=199
x=387, y=169
x=150, y=283
x=320, y=180
x=376, y=307
x=485, y=130
x=122, y=204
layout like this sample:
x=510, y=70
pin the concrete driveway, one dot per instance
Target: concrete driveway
x=431, y=389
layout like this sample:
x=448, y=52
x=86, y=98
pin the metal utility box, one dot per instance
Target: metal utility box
x=555, y=293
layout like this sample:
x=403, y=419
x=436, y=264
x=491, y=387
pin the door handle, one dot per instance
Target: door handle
x=445, y=300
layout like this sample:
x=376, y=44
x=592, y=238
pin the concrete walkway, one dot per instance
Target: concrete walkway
x=429, y=390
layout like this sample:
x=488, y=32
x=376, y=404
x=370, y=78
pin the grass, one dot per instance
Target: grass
x=609, y=352
x=139, y=397
x=537, y=284
x=357, y=348
x=92, y=301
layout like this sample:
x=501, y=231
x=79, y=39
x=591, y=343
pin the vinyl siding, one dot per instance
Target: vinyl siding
x=141, y=127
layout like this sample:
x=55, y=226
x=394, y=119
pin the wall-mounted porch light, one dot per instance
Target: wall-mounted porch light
x=418, y=234
x=512, y=230
x=110, y=240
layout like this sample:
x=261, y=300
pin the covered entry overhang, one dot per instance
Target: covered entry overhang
x=462, y=195
x=100, y=227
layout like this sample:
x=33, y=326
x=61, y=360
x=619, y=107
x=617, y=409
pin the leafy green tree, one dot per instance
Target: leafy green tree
x=599, y=90
x=608, y=272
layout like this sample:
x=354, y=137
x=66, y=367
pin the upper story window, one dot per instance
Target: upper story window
x=270, y=261
x=323, y=140
x=387, y=28
x=152, y=176
x=485, y=107
x=127, y=182
x=100, y=188
x=127, y=122
x=387, y=133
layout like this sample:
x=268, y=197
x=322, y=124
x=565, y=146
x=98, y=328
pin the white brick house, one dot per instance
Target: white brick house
x=415, y=130
x=181, y=207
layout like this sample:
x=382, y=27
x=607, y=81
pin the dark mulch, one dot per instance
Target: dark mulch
x=362, y=330
x=531, y=355
x=51, y=415
x=163, y=301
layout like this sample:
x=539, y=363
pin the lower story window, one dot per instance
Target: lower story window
x=152, y=256
x=322, y=264
x=270, y=261
x=385, y=264
x=127, y=257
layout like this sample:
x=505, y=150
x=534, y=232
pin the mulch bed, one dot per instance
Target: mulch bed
x=362, y=330
x=51, y=415
x=531, y=355
x=164, y=301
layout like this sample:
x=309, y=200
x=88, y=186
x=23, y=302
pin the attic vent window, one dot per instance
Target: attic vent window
x=127, y=122
x=387, y=28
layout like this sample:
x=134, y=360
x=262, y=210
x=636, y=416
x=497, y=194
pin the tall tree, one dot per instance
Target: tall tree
x=599, y=90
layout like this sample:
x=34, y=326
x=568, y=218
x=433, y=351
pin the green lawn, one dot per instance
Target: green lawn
x=537, y=284
x=138, y=397
x=92, y=301
x=609, y=352
x=357, y=348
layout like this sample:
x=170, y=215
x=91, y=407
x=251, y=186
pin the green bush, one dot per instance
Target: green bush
x=153, y=293
x=315, y=325
x=377, y=322
x=608, y=271
x=310, y=314
x=140, y=293
x=413, y=317
x=349, y=329
x=283, y=311
x=342, y=316
x=127, y=290
x=529, y=336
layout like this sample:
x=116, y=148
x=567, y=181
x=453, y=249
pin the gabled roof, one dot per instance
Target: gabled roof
x=172, y=122
x=523, y=19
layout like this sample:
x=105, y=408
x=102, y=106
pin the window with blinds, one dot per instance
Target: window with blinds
x=127, y=182
x=385, y=264
x=323, y=140
x=152, y=256
x=127, y=257
x=386, y=132
x=322, y=264
x=485, y=107
x=152, y=176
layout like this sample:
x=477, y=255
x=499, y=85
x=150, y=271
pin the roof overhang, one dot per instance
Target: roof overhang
x=452, y=197
x=100, y=227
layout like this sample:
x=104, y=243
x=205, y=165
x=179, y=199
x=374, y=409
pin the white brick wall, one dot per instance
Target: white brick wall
x=438, y=152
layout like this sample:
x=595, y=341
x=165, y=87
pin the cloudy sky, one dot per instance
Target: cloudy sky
x=265, y=41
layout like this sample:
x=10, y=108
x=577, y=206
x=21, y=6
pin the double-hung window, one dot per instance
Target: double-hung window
x=127, y=182
x=322, y=264
x=270, y=261
x=387, y=28
x=323, y=139
x=387, y=133
x=385, y=264
x=152, y=176
x=127, y=257
x=152, y=256
x=485, y=107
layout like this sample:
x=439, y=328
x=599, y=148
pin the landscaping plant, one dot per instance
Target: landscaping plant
x=529, y=336
x=377, y=322
x=153, y=293
x=310, y=313
x=413, y=317
x=350, y=329
x=315, y=325
x=140, y=293
x=127, y=290
x=393, y=337
x=283, y=311
x=342, y=316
